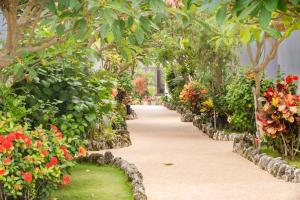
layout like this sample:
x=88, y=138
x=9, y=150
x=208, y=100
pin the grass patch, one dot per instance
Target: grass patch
x=271, y=152
x=90, y=182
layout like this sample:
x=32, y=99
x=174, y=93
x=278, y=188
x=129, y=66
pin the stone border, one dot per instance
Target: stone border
x=120, y=140
x=169, y=106
x=211, y=132
x=188, y=116
x=135, y=177
x=278, y=167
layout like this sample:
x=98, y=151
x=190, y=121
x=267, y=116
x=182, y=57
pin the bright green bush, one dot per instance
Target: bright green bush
x=32, y=162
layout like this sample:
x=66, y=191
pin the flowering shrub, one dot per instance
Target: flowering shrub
x=195, y=97
x=279, y=118
x=32, y=162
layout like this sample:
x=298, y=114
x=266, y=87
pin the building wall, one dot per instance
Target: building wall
x=287, y=60
x=3, y=30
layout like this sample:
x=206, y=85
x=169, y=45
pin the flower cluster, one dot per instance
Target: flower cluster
x=194, y=95
x=32, y=161
x=280, y=109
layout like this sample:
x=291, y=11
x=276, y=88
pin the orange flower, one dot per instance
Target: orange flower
x=82, y=151
x=114, y=92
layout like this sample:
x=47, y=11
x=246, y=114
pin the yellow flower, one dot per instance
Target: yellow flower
x=275, y=101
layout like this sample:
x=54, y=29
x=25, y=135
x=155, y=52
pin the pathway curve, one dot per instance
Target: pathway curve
x=203, y=169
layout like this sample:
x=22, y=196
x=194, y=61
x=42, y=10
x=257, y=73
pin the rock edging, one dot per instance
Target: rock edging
x=135, y=177
x=169, y=106
x=188, y=116
x=120, y=140
x=211, y=132
x=278, y=167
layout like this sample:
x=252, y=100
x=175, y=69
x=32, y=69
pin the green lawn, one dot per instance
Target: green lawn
x=295, y=162
x=93, y=182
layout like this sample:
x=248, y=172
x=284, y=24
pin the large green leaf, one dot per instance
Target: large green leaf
x=271, y=5
x=104, y=30
x=273, y=32
x=221, y=15
x=265, y=17
x=50, y=5
x=139, y=35
x=81, y=26
x=248, y=10
x=60, y=29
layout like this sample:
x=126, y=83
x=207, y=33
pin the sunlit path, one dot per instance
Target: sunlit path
x=180, y=163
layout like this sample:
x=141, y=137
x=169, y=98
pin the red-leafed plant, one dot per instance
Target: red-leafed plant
x=140, y=86
x=195, y=97
x=279, y=117
x=32, y=162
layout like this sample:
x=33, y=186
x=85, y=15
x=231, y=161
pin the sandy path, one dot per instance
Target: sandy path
x=203, y=169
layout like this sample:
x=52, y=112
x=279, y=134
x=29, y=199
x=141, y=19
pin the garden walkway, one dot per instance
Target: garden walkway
x=180, y=163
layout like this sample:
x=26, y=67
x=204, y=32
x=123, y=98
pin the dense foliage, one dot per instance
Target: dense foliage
x=279, y=119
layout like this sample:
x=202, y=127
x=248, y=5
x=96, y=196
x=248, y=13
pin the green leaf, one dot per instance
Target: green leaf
x=245, y=35
x=62, y=4
x=116, y=31
x=81, y=26
x=265, y=17
x=60, y=29
x=50, y=5
x=109, y=15
x=273, y=33
x=119, y=7
x=282, y=5
x=126, y=53
x=110, y=37
x=75, y=4
x=139, y=35
x=295, y=2
x=248, y=10
x=271, y=5
x=104, y=30
x=221, y=15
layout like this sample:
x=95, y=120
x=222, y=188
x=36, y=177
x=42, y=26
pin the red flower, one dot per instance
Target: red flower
x=26, y=140
x=66, y=179
x=11, y=137
x=68, y=157
x=295, y=78
x=27, y=177
x=48, y=165
x=7, y=144
x=64, y=150
x=6, y=161
x=53, y=161
x=54, y=128
x=44, y=152
x=59, y=135
x=289, y=79
x=39, y=144
x=1, y=149
x=2, y=138
x=2, y=171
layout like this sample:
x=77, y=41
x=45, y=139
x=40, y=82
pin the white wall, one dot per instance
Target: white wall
x=287, y=60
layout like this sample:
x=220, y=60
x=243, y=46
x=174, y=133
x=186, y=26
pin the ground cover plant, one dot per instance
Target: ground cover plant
x=91, y=181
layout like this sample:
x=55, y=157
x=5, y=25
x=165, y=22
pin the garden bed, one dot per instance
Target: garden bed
x=119, y=140
x=276, y=166
x=130, y=169
x=92, y=181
